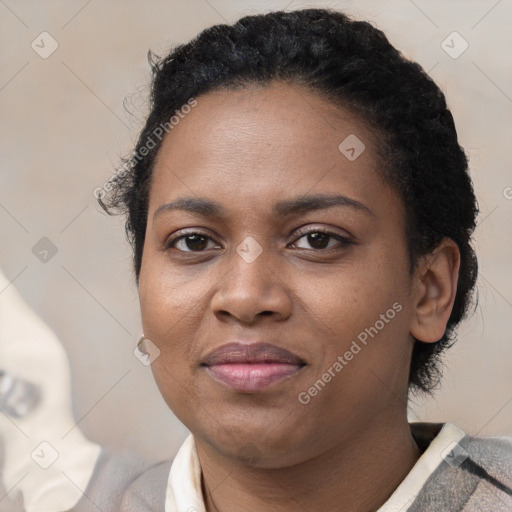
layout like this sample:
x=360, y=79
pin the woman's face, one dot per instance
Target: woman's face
x=341, y=303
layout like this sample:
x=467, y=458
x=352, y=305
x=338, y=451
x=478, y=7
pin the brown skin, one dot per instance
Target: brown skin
x=351, y=444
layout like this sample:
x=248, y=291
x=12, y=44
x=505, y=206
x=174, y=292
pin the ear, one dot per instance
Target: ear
x=436, y=276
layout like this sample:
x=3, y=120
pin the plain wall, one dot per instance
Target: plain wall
x=64, y=127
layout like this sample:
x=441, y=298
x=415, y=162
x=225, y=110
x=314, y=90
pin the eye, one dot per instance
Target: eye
x=193, y=241
x=319, y=239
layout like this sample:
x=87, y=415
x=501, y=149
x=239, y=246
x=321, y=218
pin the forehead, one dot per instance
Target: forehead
x=254, y=145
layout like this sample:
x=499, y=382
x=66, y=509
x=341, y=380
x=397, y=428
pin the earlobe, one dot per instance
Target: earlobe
x=437, y=277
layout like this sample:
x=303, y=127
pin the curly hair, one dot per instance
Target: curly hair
x=353, y=65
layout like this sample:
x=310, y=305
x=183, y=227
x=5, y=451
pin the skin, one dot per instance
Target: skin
x=351, y=444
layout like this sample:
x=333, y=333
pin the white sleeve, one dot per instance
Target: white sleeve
x=44, y=457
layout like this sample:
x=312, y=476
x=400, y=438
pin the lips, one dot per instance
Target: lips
x=251, y=367
x=251, y=354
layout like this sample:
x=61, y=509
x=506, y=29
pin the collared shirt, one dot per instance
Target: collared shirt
x=455, y=473
x=183, y=491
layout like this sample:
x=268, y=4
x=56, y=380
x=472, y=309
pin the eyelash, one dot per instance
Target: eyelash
x=344, y=241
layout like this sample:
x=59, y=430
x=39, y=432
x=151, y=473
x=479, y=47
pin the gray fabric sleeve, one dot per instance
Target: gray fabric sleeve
x=112, y=476
x=147, y=493
x=487, y=467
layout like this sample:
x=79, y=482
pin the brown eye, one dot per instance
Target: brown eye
x=191, y=242
x=319, y=240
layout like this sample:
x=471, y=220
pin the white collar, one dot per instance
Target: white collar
x=184, y=493
x=412, y=484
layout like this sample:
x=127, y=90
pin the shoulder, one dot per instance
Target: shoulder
x=491, y=451
x=147, y=492
x=118, y=478
x=474, y=473
x=490, y=459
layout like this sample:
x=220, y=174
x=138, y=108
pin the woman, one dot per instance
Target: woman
x=301, y=215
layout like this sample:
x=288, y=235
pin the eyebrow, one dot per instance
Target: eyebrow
x=297, y=205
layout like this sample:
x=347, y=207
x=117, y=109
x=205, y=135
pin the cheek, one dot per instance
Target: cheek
x=365, y=351
x=167, y=308
x=166, y=299
x=351, y=298
x=172, y=310
x=362, y=311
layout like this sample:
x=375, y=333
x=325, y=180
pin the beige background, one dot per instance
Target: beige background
x=64, y=127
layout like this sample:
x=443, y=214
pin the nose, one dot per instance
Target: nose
x=252, y=290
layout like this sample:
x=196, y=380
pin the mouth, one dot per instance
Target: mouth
x=251, y=368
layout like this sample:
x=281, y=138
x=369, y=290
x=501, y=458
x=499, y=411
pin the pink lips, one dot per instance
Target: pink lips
x=251, y=367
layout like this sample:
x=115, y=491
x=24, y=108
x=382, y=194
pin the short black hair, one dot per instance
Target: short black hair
x=352, y=64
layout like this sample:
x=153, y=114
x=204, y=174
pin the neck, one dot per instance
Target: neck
x=359, y=476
